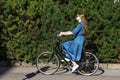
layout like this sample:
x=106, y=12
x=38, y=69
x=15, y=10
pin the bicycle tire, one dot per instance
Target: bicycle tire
x=47, y=63
x=89, y=64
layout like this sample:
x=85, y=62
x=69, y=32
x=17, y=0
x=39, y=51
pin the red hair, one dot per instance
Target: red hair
x=84, y=22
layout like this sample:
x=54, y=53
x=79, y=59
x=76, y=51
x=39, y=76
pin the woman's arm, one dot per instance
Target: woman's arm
x=65, y=33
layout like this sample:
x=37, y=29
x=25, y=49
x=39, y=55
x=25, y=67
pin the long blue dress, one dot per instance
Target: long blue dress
x=73, y=48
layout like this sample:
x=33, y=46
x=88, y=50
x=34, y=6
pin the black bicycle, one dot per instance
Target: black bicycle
x=49, y=62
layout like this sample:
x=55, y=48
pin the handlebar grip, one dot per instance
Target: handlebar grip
x=58, y=36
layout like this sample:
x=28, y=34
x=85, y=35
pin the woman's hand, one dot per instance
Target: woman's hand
x=65, y=33
x=61, y=34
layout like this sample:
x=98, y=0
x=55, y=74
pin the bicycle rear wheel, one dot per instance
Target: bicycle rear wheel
x=47, y=63
x=89, y=64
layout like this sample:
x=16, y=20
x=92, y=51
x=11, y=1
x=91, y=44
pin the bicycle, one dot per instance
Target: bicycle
x=49, y=62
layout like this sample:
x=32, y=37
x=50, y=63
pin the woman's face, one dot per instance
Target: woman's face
x=78, y=18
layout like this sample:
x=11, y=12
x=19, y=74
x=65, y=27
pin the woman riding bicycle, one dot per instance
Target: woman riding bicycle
x=73, y=48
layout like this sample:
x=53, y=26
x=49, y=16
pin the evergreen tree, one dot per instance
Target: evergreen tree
x=28, y=26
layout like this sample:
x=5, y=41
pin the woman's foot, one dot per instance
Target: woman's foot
x=65, y=59
x=74, y=68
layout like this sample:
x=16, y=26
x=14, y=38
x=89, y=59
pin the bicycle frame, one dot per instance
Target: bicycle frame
x=87, y=59
x=57, y=50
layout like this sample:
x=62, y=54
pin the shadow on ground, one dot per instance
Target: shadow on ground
x=30, y=75
x=4, y=69
x=61, y=71
x=100, y=71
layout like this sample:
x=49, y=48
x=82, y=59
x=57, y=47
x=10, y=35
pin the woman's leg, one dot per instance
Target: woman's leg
x=75, y=66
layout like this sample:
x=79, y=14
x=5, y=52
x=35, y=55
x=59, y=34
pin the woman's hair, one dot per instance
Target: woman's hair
x=84, y=21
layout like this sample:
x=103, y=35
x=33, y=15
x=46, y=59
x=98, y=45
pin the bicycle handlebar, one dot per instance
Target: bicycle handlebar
x=58, y=37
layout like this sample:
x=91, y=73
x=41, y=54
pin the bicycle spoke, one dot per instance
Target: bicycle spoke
x=47, y=63
x=89, y=65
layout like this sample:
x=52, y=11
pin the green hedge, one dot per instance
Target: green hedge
x=28, y=26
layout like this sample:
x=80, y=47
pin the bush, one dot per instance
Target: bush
x=28, y=26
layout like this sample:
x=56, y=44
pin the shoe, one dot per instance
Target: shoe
x=74, y=68
x=65, y=59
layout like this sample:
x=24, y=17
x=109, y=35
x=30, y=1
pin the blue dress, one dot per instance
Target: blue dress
x=73, y=48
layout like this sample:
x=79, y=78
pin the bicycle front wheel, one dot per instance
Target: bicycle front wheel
x=89, y=64
x=47, y=63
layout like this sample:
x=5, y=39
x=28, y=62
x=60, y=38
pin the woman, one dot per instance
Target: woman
x=73, y=48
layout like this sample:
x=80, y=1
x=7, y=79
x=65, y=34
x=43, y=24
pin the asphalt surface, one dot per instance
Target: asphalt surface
x=31, y=73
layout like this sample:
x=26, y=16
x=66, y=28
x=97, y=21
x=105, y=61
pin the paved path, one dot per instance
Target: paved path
x=30, y=73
